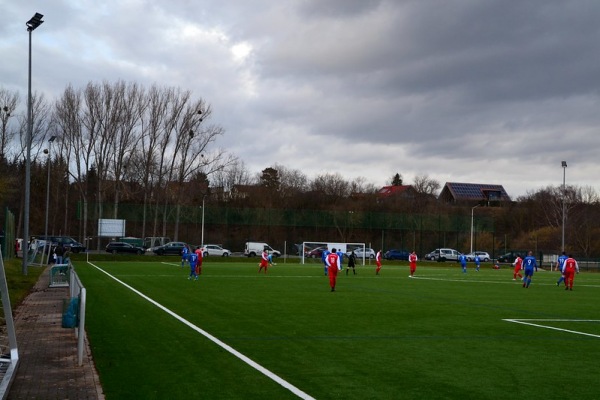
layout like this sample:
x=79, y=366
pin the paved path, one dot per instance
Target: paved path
x=48, y=352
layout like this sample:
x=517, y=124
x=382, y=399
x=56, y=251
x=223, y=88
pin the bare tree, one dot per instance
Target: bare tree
x=423, y=184
x=127, y=136
x=8, y=105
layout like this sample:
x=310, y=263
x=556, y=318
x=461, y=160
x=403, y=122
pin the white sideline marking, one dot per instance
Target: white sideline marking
x=226, y=347
x=523, y=321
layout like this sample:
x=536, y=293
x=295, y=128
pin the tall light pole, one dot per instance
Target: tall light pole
x=202, y=237
x=52, y=138
x=32, y=24
x=472, y=209
x=564, y=210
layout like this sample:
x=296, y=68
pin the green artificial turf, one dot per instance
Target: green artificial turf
x=440, y=335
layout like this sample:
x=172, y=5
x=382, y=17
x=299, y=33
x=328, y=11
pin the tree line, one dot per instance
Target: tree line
x=156, y=148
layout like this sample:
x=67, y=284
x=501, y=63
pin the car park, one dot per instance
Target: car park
x=171, y=248
x=122, y=247
x=483, y=256
x=396, y=255
x=215, y=250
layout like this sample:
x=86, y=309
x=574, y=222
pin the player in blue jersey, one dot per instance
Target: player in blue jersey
x=340, y=254
x=323, y=258
x=184, y=255
x=463, y=262
x=477, y=262
x=560, y=266
x=193, y=260
x=529, y=264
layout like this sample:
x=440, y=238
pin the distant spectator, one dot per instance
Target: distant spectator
x=59, y=251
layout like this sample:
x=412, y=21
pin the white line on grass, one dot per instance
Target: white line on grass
x=523, y=321
x=226, y=347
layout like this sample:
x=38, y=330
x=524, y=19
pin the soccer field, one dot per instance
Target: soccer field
x=237, y=334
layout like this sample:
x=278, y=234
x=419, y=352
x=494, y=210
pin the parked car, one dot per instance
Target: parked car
x=508, y=257
x=253, y=249
x=316, y=253
x=430, y=256
x=396, y=255
x=215, y=250
x=483, y=256
x=171, y=248
x=368, y=253
x=66, y=241
x=444, y=254
x=122, y=247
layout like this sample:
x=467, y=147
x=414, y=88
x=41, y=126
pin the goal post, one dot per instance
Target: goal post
x=314, y=250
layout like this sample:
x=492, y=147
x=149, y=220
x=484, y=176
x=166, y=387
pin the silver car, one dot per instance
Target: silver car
x=445, y=255
x=215, y=250
x=483, y=256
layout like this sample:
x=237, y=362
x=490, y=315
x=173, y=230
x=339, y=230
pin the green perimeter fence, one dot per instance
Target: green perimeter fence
x=231, y=227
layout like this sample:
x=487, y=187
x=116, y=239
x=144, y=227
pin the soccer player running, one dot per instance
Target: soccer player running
x=463, y=262
x=560, y=265
x=193, y=259
x=333, y=266
x=518, y=264
x=412, y=262
x=529, y=263
x=378, y=262
x=200, y=253
x=351, y=263
x=477, y=262
x=569, y=269
x=264, y=261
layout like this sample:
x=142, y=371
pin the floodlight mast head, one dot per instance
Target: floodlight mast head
x=34, y=22
x=564, y=164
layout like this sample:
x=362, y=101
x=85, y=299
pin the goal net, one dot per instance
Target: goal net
x=39, y=253
x=312, y=252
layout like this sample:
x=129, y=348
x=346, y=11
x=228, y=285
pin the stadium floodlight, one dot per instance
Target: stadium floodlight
x=202, y=234
x=564, y=211
x=32, y=24
x=52, y=138
x=472, y=209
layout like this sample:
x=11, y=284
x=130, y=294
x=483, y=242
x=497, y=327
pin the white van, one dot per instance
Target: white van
x=254, y=249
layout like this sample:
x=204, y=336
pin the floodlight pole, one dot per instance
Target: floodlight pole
x=564, y=211
x=202, y=237
x=472, y=209
x=52, y=138
x=32, y=24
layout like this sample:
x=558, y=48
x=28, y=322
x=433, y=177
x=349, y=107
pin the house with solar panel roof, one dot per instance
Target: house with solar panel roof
x=481, y=193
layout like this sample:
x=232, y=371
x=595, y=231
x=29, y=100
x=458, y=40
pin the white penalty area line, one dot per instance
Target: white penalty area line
x=219, y=343
x=525, y=322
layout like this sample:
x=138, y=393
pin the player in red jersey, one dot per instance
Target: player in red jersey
x=378, y=262
x=200, y=253
x=569, y=269
x=412, y=260
x=518, y=267
x=264, y=261
x=333, y=266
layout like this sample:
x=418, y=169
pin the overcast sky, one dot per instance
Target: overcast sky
x=464, y=91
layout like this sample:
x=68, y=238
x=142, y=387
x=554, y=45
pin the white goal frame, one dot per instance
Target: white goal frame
x=343, y=247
